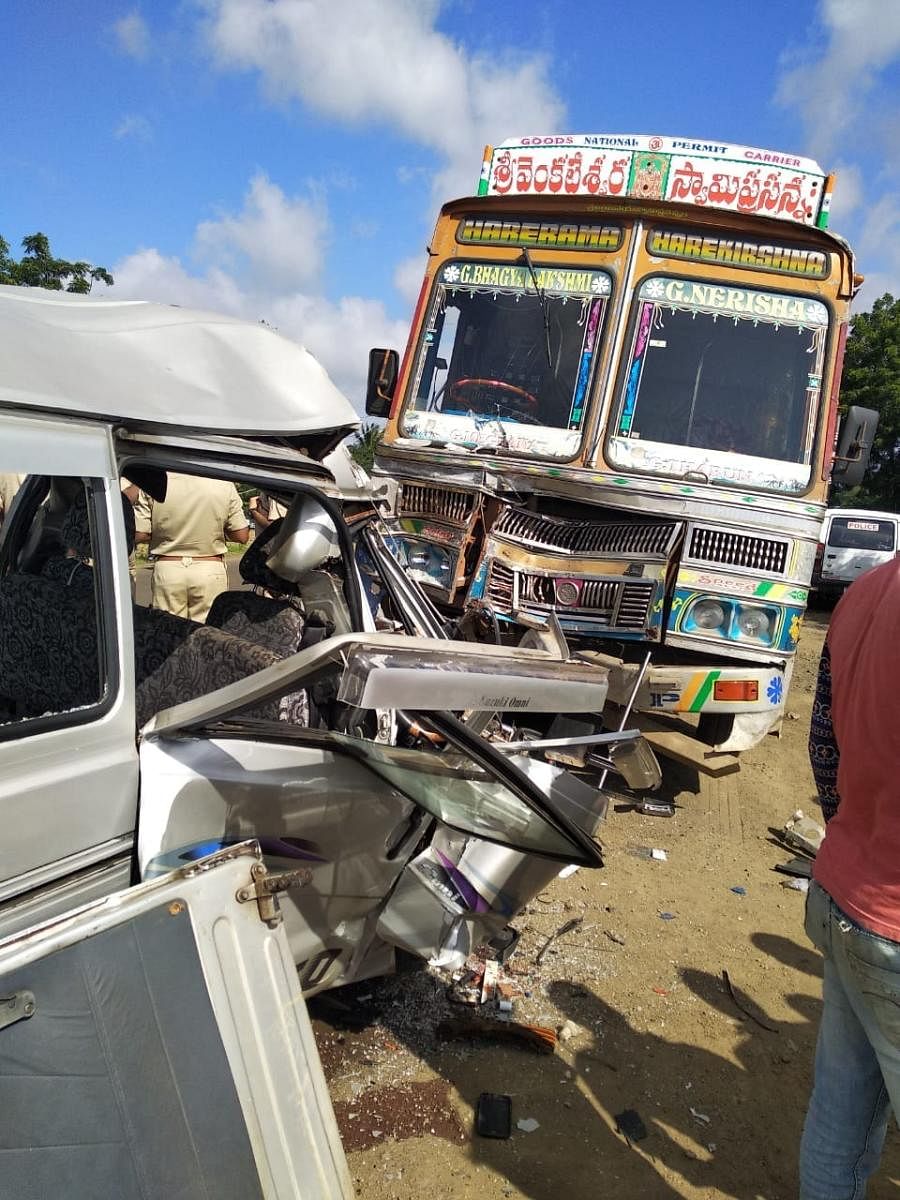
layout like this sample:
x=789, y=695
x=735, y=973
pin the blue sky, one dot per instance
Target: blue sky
x=285, y=159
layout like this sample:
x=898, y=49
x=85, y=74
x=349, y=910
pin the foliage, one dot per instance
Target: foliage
x=364, y=448
x=38, y=268
x=872, y=378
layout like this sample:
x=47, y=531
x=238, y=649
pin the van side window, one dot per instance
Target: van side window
x=52, y=659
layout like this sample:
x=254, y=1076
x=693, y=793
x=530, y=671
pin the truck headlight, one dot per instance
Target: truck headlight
x=756, y=623
x=426, y=562
x=708, y=614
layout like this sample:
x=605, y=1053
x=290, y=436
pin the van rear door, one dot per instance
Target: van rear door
x=155, y=1043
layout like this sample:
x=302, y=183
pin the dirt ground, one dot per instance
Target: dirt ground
x=722, y=1095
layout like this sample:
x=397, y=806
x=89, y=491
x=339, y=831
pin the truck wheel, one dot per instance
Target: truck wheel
x=715, y=728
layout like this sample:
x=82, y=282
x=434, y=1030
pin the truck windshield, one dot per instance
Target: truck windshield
x=506, y=358
x=723, y=382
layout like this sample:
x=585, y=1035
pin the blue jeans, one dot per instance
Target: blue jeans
x=857, y=1074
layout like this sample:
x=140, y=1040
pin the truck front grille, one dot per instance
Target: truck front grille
x=568, y=536
x=739, y=550
x=417, y=499
x=614, y=604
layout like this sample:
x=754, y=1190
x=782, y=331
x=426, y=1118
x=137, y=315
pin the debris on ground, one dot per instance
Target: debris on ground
x=537, y=1037
x=528, y=1124
x=802, y=833
x=568, y=1030
x=630, y=1125
x=651, y=852
x=489, y=981
x=700, y=1116
x=493, y=1115
x=746, y=1006
x=739, y=891
x=801, y=867
x=796, y=885
x=656, y=808
x=563, y=929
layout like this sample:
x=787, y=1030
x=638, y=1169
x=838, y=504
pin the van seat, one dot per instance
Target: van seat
x=48, y=645
x=178, y=660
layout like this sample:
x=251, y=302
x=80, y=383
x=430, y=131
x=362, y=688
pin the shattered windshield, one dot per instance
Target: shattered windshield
x=724, y=382
x=507, y=357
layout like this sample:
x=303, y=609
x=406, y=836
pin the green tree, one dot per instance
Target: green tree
x=38, y=268
x=872, y=378
x=364, y=448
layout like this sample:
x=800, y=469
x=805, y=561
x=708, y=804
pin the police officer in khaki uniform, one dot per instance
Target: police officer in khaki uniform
x=264, y=509
x=187, y=534
x=9, y=485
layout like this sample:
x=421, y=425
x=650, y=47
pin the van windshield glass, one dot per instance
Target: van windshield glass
x=507, y=356
x=861, y=533
x=722, y=381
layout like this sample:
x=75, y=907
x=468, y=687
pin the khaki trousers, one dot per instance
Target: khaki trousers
x=187, y=586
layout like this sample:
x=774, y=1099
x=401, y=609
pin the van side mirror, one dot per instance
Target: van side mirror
x=854, y=446
x=384, y=367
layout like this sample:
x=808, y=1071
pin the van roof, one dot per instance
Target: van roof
x=164, y=368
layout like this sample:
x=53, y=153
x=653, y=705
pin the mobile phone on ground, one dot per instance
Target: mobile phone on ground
x=493, y=1115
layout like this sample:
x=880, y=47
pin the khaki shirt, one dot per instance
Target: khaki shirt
x=271, y=507
x=9, y=485
x=193, y=519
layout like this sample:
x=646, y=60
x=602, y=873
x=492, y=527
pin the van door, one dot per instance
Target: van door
x=68, y=760
x=351, y=809
x=155, y=1045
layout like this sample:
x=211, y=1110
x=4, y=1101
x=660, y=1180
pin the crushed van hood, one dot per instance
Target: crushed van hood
x=164, y=368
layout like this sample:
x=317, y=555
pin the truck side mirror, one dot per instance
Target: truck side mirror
x=384, y=367
x=855, y=445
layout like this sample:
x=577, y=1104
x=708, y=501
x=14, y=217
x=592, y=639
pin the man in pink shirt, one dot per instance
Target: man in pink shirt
x=853, y=908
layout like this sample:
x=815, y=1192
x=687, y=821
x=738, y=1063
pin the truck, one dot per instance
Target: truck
x=618, y=408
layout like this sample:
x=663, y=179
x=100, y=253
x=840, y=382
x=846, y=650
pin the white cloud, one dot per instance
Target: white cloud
x=132, y=35
x=829, y=90
x=149, y=275
x=134, y=126
x=408, y=276
x=276, y=241
x=370, y=62
x=879, y=242
x=843, y=87
x=246, y=280
x=849, y=193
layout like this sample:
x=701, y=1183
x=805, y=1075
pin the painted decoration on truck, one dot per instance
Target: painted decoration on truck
x=738, y=252
x=544, y=235
x=638, y=166
x=551, y=281
x=717, y=466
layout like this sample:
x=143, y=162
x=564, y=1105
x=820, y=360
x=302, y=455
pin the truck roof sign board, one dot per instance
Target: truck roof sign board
x=640, y=166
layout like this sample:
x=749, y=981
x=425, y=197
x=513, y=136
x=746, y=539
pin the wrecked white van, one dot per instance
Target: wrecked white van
x=314, y=708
